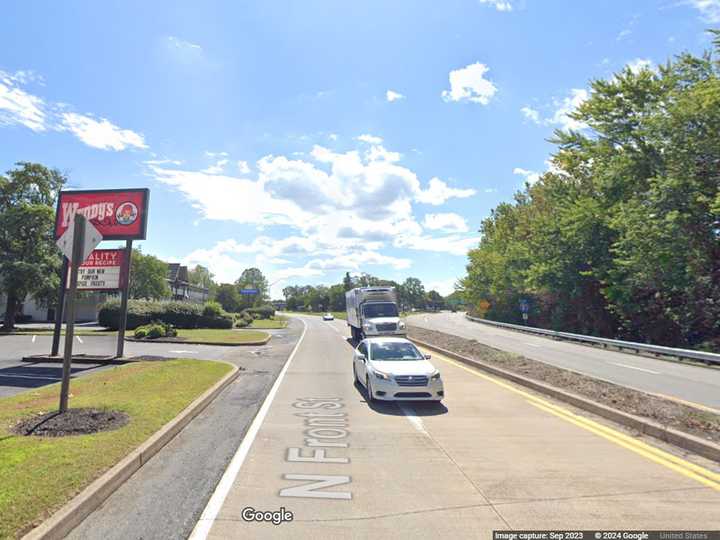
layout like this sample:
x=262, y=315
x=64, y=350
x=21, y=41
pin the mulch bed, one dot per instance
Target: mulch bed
x=668, y=413
x=71, y=422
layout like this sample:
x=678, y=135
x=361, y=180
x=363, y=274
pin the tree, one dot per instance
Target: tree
x=435, y=300
x=228, y=297
x=412, y=293
x=29, y=259
x=201, y=276
x=621, y=237
x=347, y=282
x=252, y=278
x=148, y=277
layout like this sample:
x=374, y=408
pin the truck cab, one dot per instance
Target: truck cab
x=373, y=311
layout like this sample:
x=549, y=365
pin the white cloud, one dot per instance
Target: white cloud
x=531, y=114
x=243, y=167
x=444, y=287
x=529, y=176
x=345, y=209
x=18, y=106
x=447, y=222
x=183, y=45
x=500, y=5
x=391, y=96
x=623, y=34
x=566, y=106
x=709, y=9
x=217, y=168
x=469, y=84
x=370, y=139
x=438, y=192
x=639, y=64
x=101, y=133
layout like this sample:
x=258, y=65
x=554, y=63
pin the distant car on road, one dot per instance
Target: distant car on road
x=328, y=317
x=392, y=368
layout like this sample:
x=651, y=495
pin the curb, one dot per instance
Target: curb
x=685, y=441
x=188, y=342
x=62, y=522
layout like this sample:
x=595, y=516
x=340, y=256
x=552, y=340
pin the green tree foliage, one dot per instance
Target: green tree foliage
x=252, y=278
x=412, y=293
x=228, y=297
x=622, y=236
x=29, y=259
x=148, y=277
x=202, y=277
x=434, y=300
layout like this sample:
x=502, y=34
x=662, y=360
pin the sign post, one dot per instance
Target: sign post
x=59, y=309
x=524, y=308
x=75, y=260
x=124, y=301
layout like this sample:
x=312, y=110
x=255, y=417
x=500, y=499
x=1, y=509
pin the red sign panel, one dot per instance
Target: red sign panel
x=103, y=270
x=118, y=214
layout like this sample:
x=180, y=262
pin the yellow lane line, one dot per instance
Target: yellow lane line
x=656, y=455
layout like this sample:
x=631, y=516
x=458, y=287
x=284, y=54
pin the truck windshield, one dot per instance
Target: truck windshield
x=385, y=309
x=394, y=351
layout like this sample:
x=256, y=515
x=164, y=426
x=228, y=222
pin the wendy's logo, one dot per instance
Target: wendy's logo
x=126, y=214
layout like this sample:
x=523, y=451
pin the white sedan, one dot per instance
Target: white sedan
x=392, y=368
x=328, y=317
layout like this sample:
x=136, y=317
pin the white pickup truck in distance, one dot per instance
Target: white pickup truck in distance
x=373, y=311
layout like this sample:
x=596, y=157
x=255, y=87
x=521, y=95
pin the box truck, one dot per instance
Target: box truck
x=373, y=311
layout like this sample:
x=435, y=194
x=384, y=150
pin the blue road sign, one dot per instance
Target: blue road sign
x=249, y=291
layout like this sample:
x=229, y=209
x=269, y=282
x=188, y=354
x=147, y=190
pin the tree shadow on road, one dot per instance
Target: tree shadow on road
x=35, y=376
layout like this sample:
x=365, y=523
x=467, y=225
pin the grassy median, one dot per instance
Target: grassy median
x=40, y=474
x=210, y=336
x=276, y=322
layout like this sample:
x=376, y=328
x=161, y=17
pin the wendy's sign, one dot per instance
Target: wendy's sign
x=104, y=269
x=118, y=214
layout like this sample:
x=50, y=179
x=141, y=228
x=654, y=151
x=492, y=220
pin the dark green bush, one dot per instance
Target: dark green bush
x=177, y=314
x=154, y=330
x=140, y=332
x=262, y=312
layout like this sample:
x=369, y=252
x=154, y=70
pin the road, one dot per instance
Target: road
x=492, y=456
x=695, y=384
x=164, y=499
x=17, y=376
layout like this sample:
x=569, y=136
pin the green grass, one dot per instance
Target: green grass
x=207, y=335
x=336, y=314
x=38, y=475
x=275, y=323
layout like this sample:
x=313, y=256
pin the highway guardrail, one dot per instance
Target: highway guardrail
x=639, y=348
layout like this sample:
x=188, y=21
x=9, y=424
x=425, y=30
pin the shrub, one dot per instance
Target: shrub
x=213, y=309
x=155, y=330
x=178, y=314
x=262, y=312
x=140, y=332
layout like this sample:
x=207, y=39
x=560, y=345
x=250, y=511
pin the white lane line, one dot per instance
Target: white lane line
x=207, y=518
x=416, y=422
x=79, y=339
x=637, y=368
x=33, y=339
x=532, y=344
x=183, y=352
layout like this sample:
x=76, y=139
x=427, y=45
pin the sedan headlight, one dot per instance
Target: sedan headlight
x=435, y=376
x=381, y=375
x=367, y=326
x=401, y=325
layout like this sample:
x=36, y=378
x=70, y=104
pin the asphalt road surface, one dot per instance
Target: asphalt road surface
x=164, y=499
x=17, y=376
x=695, y=384
x=492, y=456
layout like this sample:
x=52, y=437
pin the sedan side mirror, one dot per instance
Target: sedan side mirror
x=361, y=357
x=427, y=357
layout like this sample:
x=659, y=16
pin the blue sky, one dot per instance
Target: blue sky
x=314, y=138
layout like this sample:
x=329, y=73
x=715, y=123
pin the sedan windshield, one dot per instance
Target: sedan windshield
x=394, y=351
x=384, y=309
